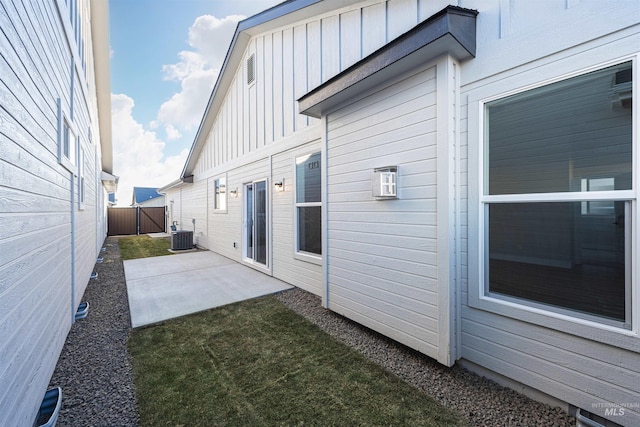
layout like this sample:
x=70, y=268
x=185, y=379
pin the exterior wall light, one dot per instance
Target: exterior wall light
x=384, y=183
x=279, y=185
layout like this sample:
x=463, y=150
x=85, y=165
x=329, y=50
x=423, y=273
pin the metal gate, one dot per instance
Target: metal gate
x=135, y=220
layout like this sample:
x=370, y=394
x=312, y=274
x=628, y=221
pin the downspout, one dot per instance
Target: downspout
x=270, y=213
x=325, y=210
x=73, y=251
x=457, y=71
x=72, y=198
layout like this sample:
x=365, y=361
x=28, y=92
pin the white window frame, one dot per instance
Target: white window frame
x=266, y=267
x=225, y=193
x=66, y=135
x=82, y=182
x=559, y=319
x=298, y=254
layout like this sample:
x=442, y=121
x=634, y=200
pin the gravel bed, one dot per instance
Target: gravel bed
x=481, y=401
x=94, y=369
x=95, y=373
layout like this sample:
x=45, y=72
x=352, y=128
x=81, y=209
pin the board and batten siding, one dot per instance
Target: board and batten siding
x=587, y=367
x=383, y=254
x=291, y=61
x=48, y=242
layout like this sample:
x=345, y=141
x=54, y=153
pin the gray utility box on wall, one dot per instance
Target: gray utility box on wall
x=181, y=240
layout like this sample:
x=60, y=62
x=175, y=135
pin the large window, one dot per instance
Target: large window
x=558, y=195
x=308, y=204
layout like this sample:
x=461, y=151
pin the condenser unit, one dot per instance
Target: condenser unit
x=181, y=240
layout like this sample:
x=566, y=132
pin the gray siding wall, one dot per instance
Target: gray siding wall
x=42, y=275
x=383, y=255
x=520, y=44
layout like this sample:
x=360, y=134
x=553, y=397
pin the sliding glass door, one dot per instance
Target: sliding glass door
x=255, y=222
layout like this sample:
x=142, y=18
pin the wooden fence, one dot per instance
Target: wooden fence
x=135, y=220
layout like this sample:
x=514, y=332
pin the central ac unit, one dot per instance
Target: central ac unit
x=181, y=240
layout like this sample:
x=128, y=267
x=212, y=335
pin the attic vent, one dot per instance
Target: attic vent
x=251, y=69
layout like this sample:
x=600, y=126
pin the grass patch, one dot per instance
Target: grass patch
x=143, y=247
x=257, y=363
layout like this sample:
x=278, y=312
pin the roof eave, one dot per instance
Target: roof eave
x=451, y=31
x=101, y=54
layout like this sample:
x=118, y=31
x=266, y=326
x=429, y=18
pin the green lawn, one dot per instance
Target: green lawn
x=142, y=247
x=257, y=363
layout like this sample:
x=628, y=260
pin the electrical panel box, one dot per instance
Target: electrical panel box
x=384, y=183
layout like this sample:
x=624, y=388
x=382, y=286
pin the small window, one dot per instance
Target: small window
x=220, y=194
x=66, y=141
x=251, y=69
x=309, y=204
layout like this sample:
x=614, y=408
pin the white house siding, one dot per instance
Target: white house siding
x=290, y=60
x=224, y=232
x=48, y=242
x=286, y=267
x=156, y=202
x=383, y=255
x=521, y=44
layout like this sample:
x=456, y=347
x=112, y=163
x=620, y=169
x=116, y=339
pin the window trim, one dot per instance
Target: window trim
x=298, y=254
x=215, y=209
x=561, y=320
x=82, y=182
x=69, y=161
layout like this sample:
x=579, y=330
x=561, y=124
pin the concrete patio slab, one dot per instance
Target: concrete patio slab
x=166, y=287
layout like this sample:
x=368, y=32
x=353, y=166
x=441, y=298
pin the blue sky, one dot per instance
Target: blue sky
x=165, y=58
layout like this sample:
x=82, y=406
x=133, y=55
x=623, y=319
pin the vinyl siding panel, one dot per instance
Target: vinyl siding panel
x=371, y=280
x=39, y=198
x=350, y=36
x=578, y=367
x=373, y=19
x=403, y=15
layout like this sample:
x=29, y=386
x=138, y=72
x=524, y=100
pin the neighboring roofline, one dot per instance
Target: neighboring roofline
x=109, y=182
x=276, y=16
x=101, y=59
x=174, y=184
x=450, y=31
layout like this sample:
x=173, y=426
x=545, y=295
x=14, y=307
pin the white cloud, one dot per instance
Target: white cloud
x=139, y=153
x=172, y=132
x=197, y=70
x=211, y=36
